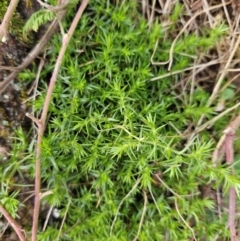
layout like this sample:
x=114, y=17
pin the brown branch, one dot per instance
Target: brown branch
x=232, y=192
x=7, y=19
x=42, y=121
x=234, y=125
x=13, y=223
x=235, y=6
x=226, y=144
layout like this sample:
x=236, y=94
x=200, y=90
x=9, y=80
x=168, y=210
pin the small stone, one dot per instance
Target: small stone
x=6, y=97
x=5, y=123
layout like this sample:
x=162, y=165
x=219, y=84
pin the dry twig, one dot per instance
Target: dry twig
x=42, y=122
x=7, y=19
x=235, y=6
x=142, y=216
x=13, y=223
x=225, y=144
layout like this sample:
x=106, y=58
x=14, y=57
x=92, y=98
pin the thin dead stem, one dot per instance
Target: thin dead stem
x=152, y=13
x=155, y=202
x=226, y=144
x=170, y=189
x=142, y=216
x=35, y=83
x=47, y=218
x=13, y=223
x=64, y=218
x=179, y=214
x=121, y=203
x=227, y=15
x=7, y=19
x=199, y=68
x=223, y=74
x=4, y=230
x=213, y=120
x=170, y=60
x=42, y=121
x=232, y=192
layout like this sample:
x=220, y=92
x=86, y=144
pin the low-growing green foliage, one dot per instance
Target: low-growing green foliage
x=113, y=146
x=38, y=19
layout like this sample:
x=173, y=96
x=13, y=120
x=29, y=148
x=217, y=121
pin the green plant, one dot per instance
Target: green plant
x=114, y=149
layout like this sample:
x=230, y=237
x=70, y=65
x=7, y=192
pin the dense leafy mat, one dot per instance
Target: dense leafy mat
x=119, y=153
